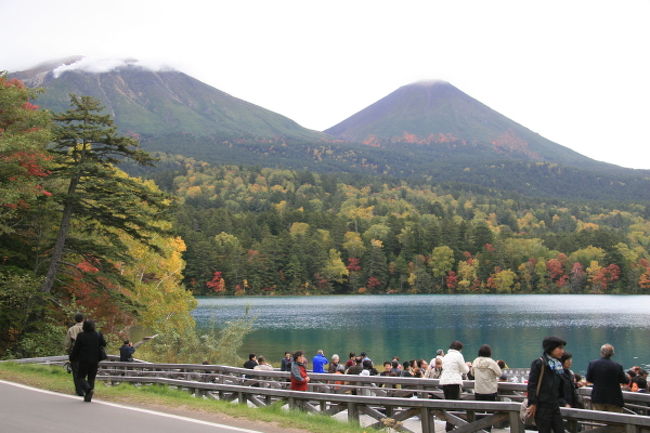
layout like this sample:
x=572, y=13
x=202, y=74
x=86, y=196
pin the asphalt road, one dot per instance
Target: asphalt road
x=29, y=410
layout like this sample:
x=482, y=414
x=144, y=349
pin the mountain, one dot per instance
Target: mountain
x=428, y=131
x=445, y=120
x=162, y=102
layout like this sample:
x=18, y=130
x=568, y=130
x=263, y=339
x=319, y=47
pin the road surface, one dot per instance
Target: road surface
x=29, y=410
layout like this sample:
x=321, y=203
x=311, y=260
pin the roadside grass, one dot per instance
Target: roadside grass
x=55, y=378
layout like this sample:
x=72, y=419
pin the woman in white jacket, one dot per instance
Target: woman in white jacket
x=453, y=369
x=486, y=373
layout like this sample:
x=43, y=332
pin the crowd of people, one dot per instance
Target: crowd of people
x=551, y=382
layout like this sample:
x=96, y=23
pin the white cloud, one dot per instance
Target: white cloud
x=106, y=64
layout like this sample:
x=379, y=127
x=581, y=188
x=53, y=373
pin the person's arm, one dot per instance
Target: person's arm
x=295, y=372
x=565, y=387
x=622, y=376
x=463, y=367
x=69, y=342
x=535, y=370
x=496, y=369
x=590, y=374
x=75, y=350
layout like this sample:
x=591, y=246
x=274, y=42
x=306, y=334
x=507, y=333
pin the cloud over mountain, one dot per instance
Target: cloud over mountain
x=98, y=65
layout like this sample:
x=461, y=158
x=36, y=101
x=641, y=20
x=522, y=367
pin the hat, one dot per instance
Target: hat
x=550, y=343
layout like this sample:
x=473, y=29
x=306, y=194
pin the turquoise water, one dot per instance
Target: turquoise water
x=414, y=326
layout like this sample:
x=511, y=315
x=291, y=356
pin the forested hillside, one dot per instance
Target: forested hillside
x=78, y=234
x=273, y=231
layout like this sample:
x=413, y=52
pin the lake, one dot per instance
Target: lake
x=414, y=326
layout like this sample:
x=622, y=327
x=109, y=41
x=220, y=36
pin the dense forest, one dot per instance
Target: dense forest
x=79, y=234
x=130, y=246
x=272, y=231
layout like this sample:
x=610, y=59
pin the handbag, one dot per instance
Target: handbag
x=524, y=414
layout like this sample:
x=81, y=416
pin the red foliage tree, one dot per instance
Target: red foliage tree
x=217, y=283
x=354, y=264
x=452, y=280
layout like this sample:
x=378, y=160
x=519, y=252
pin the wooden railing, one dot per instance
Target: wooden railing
x=382, y=400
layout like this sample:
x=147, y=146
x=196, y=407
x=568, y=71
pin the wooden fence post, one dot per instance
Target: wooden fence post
x=353, y=413
x=516, y=426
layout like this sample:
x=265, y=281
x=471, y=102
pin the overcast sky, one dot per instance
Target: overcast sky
x=577, y=72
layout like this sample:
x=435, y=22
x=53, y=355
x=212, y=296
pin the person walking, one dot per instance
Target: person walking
x=451, y=378
x=87, y=352
x=319, y=361
x=299, y=377
x=607, y=377
x=545, y=390
x=70, y=338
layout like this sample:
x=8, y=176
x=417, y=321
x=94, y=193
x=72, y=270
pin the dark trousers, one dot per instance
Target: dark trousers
x=452, y=392
x=549, y=419
x=87, y=373
x=78, y=388
x=486, y=397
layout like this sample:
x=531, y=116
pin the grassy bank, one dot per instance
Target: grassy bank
x=162, y=397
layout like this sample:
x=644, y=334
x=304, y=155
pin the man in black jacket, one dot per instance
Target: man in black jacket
x=86, y=352
x=607, y=377
x=545, y=405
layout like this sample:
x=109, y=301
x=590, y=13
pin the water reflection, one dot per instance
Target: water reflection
x=415, y=326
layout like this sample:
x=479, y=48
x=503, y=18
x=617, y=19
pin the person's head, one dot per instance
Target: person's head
x=642, y=383
x=358, y=360
x=423, y=364
x=335, y=359
x=643, y=373
x=554, y=347
x=287, y=355
x=485, y=351
x=367, y=364
x=440, y=352
x=320, y=352
x=251, y=357
x=566, y=360
x=363, y=354
x=127, y=342
x=88, y=326
x=299, y=356
x=501, y=363
x=352, y=355
x=78, y=317
x=438, y=362
x=456, y=345
x=394, y=364
x=606, y=351
x=261, y=360
x=407, y=365
x=395, y=358
x=387, y=365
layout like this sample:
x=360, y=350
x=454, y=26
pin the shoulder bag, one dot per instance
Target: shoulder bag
x=524, y=414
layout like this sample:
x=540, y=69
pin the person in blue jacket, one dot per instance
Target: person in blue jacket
x=319, y=362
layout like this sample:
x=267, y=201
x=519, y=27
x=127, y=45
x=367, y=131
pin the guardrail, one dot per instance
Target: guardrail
x=385, y=400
